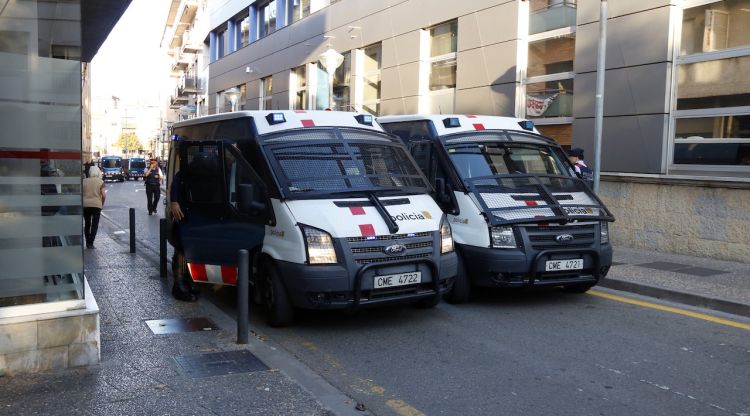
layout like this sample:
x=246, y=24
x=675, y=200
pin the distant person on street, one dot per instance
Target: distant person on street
x=93, y=201
x=153, y=179
x=575, y=156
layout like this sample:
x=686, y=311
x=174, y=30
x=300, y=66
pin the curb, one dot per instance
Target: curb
x=679, y=297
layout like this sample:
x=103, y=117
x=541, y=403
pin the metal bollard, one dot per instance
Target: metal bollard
x=132, y=230
x=163, y=247
x=243, y=296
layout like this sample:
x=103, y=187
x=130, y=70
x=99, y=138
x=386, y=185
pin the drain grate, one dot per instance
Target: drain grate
x=176, y=326
x=664, y=265
x=219, y=363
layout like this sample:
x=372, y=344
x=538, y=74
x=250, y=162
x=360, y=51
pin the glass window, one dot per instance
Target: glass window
x=712, y=84
x=443, y=74
x=267, y=19
x=372, y=61
x=442, y=81
x=550, y=56
x=546, y=15
x=299, y=80
x=550, y=99
x=41, y=209
x=486, y=159
x=243, y=96
x=223, y=43
x=715, y=26
x=724, y=127
x=443, y=39
x=342, y=84
x=266, y=93
x=244, y=25
x=300, y=9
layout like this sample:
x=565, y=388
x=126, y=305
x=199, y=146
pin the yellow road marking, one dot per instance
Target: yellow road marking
x=670, y=309
x=403, y=409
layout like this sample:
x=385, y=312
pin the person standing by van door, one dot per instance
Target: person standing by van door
x=584, y=172
x=93, y=201
x=153, y=179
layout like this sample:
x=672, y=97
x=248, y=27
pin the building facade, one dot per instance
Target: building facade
x=48, y=317
x=676, y=141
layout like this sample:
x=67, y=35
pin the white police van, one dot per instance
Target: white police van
x=334, y=212
x=519, y=214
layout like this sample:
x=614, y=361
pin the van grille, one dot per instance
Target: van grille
x=387, y=237
x=543, y=238
x=418, y=246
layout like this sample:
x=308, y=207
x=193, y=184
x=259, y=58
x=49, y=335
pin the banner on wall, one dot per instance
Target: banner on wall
x=536, y=106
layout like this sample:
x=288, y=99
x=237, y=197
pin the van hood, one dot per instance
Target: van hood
x=357, y=217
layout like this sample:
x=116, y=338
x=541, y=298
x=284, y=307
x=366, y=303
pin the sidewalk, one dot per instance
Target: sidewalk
x=142, y=373
x=714, y=284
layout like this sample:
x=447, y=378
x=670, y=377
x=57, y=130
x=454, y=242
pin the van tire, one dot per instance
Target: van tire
x=181, y=284
x=280, y=311
x=461, y=291
x=580, y=288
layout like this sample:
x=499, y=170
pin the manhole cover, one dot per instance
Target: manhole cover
x=219, y=363
x=176, y=326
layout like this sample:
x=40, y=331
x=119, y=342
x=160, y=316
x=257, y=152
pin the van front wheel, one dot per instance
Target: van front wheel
x=278, y=304
x=461, y=291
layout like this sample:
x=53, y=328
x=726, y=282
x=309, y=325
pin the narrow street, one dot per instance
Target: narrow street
x=509, y=352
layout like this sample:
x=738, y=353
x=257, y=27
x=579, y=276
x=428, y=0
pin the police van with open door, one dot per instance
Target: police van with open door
x=335, y=213
x=520, y=215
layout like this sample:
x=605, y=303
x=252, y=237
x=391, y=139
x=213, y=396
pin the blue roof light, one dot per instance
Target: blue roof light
x=275, y=118
x=526, y=125
x=365, y=119
x=451, y=122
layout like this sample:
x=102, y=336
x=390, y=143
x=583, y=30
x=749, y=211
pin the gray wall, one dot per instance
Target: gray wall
x=637, y=83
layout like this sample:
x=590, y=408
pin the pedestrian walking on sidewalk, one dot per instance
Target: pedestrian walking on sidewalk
x=153, y=179
x=93, y=201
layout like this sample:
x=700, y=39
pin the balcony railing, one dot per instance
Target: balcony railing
x=191, y=43
x=190, y=85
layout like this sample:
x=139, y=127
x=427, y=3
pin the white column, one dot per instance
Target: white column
x=357, y=79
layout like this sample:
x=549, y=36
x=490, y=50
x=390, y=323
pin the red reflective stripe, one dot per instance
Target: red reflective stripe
x=367, y=230
x=357, y=210
x=531, y=203
x=25, y=154
x=229, y=275
x=198, y=272
x=470, y=116
x=478, y=126
x=300, y=111
x=539, y=216
x=308, y=123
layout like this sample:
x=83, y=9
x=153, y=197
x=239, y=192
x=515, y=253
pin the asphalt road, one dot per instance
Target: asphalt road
x=510, y=352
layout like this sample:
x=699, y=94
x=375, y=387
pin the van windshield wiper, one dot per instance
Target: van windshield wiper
x=392, y=226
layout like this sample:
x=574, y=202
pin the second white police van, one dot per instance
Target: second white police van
x=520, y=216
x=334, y=212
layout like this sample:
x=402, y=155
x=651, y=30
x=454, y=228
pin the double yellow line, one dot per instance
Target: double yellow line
x=670, y=309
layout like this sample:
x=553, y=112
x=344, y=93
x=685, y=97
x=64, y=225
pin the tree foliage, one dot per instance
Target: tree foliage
x=128, y=142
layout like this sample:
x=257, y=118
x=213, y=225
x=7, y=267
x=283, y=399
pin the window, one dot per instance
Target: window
x=266, y=93
x=711, y=116
x=244, y=25
x=342, y=83
x=550, y=99
x=300, y=9
x=551, y=56
x=221, y=47
x=442, y=80
x=299, y=81
x=372, y=62
x=65, y=52
x=267, y=19
x=243, y=97
x=546, y=15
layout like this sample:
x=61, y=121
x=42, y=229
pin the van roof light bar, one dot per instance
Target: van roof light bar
x=526, y=125
x=451, y=122
x=275, y=118
x=365, y=119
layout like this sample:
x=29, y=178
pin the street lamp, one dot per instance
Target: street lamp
x=331, y=60
x=233, y=94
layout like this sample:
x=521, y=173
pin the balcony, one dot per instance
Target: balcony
x=190, y=85
x=182, y=61
x=556, y=16
x=177, y=101
x=191, y=43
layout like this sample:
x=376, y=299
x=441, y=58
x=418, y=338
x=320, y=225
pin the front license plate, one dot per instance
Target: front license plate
x=558, y=265
x=401, y=279
x=581, y=211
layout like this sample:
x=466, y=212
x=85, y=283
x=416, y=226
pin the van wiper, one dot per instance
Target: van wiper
x=392, y=226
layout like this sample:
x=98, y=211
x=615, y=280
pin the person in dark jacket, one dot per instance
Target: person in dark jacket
x=582, y=170
x=153, y=179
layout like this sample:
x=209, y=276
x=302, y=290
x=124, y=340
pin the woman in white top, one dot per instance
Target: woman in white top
x=93, y=200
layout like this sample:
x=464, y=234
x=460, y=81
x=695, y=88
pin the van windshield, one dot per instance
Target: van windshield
x=111, y=163
x=137, y=164
x=481, y=159
x=335, y=161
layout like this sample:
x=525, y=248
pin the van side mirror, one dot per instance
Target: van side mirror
x=249, y=201
x=442, y=194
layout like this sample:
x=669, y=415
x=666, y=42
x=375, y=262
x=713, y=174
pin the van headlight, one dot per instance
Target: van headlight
x=446, y=237
x=502, y=237
x=604, y=232
x=319, y=245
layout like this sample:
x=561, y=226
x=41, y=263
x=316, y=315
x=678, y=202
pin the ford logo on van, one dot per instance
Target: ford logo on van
x=564, y=238
x=395, y=250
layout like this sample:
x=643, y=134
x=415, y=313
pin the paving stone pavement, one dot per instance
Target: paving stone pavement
x=138, y=374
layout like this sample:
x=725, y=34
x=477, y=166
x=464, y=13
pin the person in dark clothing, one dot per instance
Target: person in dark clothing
x=153, y=179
